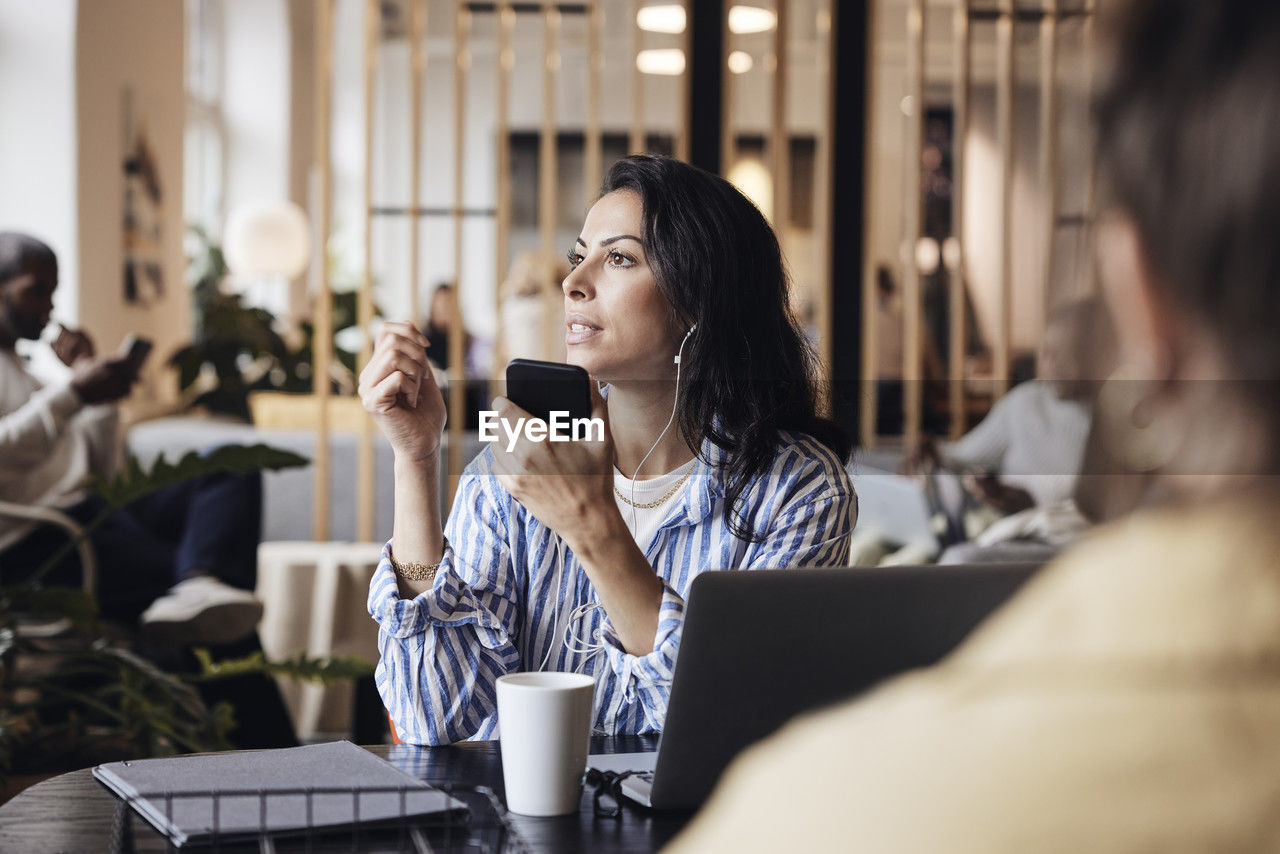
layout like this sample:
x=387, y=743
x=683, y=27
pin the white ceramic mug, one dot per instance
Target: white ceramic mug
x=544, y=725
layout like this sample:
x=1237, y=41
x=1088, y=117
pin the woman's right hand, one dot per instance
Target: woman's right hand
x=399, y=391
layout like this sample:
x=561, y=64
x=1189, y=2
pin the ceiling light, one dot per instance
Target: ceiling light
x=928, y=254
x=751, y=177
x=661, y=19
x=667, y=61
x=740, y=62
x=271, y=239
x=751, y=19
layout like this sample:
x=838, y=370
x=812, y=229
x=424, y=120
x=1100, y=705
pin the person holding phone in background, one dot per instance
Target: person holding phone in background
x=182, y=561
x=577, y=555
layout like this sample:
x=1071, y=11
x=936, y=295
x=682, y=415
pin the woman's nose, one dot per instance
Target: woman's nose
x=576, y=285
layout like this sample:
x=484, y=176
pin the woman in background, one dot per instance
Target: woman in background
x=529, y=308
x=1129, y=698
x=578, y=555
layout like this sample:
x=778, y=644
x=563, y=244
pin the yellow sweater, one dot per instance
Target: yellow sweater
x=1127, y=700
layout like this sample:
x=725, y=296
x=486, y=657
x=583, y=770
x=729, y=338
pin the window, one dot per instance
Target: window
x=204, y=144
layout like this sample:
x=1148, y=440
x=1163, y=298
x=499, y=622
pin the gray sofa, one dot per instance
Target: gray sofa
x=288, y=495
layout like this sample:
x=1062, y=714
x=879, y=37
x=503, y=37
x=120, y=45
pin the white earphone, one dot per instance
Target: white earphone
x=572, y=639
x=677, y=358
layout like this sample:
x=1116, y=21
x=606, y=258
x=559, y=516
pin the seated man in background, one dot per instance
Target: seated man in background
x=1029, y=449
x=181, y=561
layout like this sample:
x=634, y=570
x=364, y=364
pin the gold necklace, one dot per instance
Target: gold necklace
x=652, y=504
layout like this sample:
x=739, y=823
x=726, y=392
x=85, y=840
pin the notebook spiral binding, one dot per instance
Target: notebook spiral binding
x=482, y=827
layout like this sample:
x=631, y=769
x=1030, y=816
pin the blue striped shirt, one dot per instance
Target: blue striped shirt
x=492, y=608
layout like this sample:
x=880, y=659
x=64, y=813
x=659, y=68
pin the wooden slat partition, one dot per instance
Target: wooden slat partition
x=322, y=197
x=364, y=298
x=547, y=171
x=822, y=209
x=1004, y=140
x=912, y=302
x=957, y=274
x=1048, y=143
x=417, y=69
x=779, y=139
x=1091, y=166
x=457, y=333
x=548, y=168
x=683, y=86
x=636, y=141
x=592, y=162
x=502, y=207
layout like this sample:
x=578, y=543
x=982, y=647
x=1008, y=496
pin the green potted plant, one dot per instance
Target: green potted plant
x=81, y=696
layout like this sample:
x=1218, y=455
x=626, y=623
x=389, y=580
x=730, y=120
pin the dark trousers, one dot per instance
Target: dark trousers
x=208, y=525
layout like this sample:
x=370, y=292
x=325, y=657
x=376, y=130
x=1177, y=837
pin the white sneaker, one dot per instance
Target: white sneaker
x=202, y=609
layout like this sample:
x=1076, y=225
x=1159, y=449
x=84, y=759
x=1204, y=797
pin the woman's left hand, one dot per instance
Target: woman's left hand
x=566, y=485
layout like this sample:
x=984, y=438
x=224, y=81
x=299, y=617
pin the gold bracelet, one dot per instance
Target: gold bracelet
x=410, y=571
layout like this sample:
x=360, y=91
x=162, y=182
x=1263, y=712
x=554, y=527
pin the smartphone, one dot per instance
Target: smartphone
x=135, y=349
x=541, y=388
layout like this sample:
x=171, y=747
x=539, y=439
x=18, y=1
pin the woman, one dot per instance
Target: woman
x=538, y=565
x=1128, y=700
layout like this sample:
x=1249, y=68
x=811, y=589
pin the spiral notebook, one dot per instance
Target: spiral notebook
x=320, y=788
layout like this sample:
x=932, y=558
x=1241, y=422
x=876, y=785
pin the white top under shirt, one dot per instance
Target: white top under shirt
x=645, y=521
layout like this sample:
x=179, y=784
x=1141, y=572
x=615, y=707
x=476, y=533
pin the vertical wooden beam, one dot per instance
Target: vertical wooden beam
x=592, y=163
x=1048, y=146
x=457, y=331
x=1004, y=139
x=636, y=141
x=364, y=299
x=547, y=173
x=506, y=62
x=1091, y=166
x=683, y=93
x=548, y=167
x=912, y=288
x=779, y=139
x=417, y=72
x=822, y=204
x=956, y=278
x=322, y=200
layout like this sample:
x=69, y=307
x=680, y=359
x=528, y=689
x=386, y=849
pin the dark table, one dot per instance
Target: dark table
x=73, y=812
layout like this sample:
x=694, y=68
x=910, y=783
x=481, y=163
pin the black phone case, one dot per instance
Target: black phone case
x=541, y=388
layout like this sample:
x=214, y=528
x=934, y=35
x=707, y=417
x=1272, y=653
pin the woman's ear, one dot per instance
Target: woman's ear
x=1146, y=325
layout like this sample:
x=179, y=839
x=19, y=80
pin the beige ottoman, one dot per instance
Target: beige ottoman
x=314, y=602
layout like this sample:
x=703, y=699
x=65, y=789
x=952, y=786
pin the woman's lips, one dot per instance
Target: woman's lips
x=579, y=330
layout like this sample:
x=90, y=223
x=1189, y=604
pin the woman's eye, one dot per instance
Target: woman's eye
x=617, y=259
x=574, y=259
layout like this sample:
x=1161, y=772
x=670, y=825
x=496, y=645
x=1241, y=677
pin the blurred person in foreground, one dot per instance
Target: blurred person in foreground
x=1127, y=699
x=182, y=561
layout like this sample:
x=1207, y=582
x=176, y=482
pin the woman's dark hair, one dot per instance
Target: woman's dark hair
x=748, y=370
x=1188, y=120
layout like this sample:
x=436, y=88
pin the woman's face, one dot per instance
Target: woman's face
x=618, y=325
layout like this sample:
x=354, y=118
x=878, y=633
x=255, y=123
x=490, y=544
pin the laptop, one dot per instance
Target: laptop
x=761, y=647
